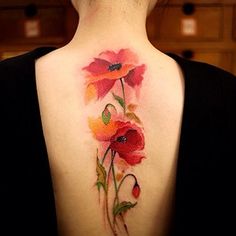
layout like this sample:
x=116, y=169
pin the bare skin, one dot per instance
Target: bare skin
x=71, y=148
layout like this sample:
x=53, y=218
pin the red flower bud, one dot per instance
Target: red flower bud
x=136, y=190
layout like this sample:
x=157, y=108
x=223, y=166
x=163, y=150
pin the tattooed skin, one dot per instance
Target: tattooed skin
x=117, y=129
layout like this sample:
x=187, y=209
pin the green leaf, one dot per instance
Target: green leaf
x=101, y=176
x=133, y=116
x=106, y=116
x=132, y=107
x=99, y=185
x=123, y=207
x=119, y=99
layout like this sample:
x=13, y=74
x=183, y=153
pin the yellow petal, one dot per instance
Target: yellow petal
x=101, y=131
x=90, y=93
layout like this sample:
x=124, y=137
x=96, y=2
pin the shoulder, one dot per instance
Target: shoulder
x=207, y=84
x=213, y=82
x=22, y=63
x=210, y=73
x=216, y=81
x=16, y=81
x=17, y=70
x=13, y=74
x=13, y=70
x=196, y=70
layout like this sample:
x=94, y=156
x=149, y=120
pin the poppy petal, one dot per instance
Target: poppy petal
x=135, y=76
x=132, y=158
x=101, y=131
x=135, y=138
x=103, y=87
x=109, y=56
x=112, y=75
x=126, y=56
x=133, y=141
x=90, y=93
x=98, y=66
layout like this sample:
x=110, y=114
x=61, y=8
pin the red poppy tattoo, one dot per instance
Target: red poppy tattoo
x=109, y=67
x=117, y=129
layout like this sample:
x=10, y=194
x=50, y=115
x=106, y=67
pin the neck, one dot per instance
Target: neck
x=102, y=24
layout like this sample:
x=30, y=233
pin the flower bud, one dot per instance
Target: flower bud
x=136, y=190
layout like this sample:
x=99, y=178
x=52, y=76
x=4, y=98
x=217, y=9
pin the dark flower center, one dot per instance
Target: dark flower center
x=113, y=67
x=121, y=139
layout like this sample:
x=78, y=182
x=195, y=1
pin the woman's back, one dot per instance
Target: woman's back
x=112, y=136
x=111, y=112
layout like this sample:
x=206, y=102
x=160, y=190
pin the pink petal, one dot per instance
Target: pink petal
x=98, y=66
x=135, y=76
x=132, y=158
x=103, y=87
x=126, y=56
x=110, y=56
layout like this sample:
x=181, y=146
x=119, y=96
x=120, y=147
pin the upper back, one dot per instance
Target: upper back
x=111, y=122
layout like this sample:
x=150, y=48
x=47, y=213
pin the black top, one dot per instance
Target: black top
x=205, y=172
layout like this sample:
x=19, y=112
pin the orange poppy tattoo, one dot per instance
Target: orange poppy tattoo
x=117, y=129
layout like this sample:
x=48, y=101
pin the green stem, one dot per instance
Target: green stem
x=106, y=196
x=121, y=182
x=105, y=154
x=113, y=153
x=123, y=92
x=117, y=200
x=116, y=192
x=113, y=172
x=108, y=217
x=110, y=105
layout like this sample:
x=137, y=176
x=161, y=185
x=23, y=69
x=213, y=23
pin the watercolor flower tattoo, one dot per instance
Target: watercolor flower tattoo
x=109, y=67
x=117, y=129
